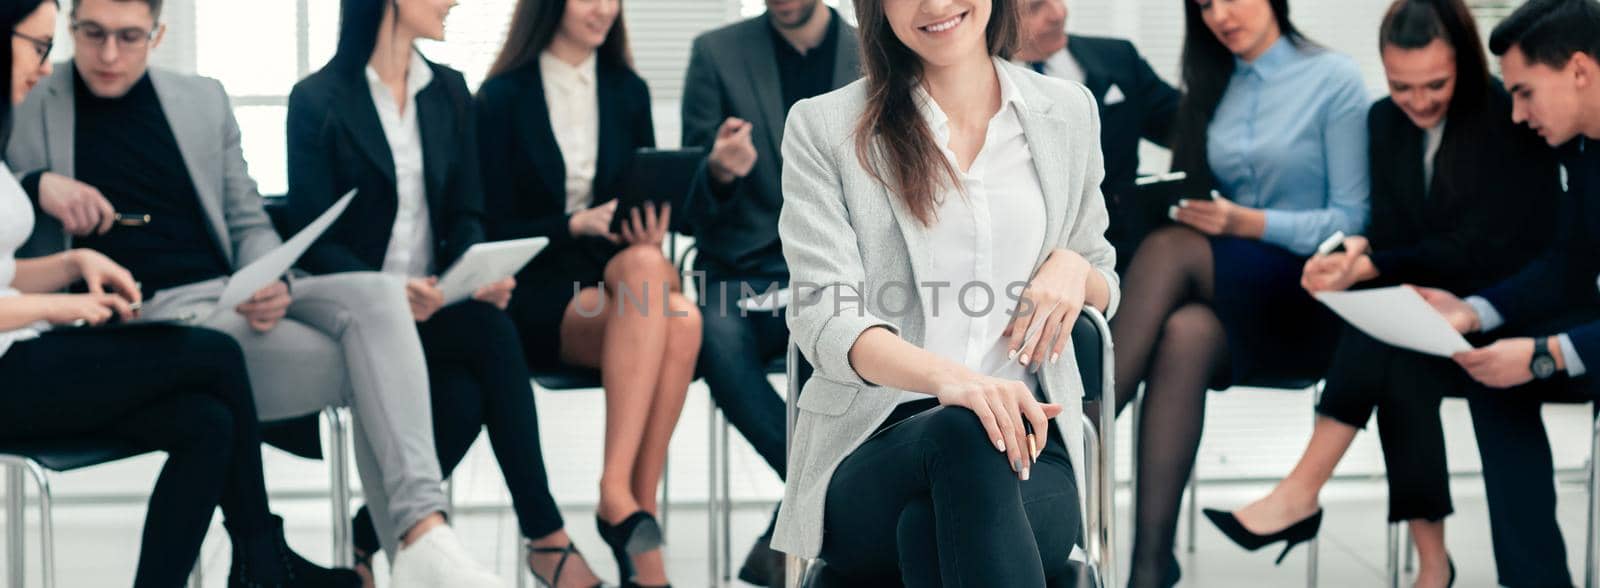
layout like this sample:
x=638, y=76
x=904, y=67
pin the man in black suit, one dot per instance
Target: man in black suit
x=1134, y=104
x=742, y=80
x=1550, y=57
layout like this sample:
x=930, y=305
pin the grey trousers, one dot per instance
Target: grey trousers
x=348, y=340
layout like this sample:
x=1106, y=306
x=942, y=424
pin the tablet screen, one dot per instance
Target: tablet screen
x=661, y=176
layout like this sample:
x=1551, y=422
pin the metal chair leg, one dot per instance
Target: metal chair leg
x=712, y=502
x=1194, y=508
x=523, y=554
x=16, y=525
x=1392, y=555
x=1107, y=572
x=47, y=540
x=1591, y=569
x=666, y=493
x=1093, y=501
x=339, y=484
x=727, y=505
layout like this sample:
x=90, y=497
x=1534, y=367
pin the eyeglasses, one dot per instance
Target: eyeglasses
x=89, y=33
x=40, y=46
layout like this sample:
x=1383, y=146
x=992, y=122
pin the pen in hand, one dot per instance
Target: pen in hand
x=132, y=220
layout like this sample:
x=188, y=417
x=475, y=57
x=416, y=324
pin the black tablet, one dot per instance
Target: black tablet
x=661, y=176
x=1165, y=190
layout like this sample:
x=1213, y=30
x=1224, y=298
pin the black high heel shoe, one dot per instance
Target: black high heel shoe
x=567, y=552
x=1300, y=532
x=636, y=534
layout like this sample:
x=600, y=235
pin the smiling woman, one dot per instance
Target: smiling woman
x=941, y=451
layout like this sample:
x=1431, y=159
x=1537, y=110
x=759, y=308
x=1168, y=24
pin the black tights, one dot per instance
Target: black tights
x=1168, y=337
x=179, y=390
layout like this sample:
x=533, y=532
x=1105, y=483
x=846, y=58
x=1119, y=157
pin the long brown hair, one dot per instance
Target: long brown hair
x=533, y=26
x=1207, y=68
x=892, y=127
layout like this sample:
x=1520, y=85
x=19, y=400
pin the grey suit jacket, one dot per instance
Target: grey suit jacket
x=734, y=72
x=202, y=120
x=852, y=246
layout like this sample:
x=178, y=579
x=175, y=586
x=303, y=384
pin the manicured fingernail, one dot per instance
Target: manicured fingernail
x=1024, y=359
x=1012, y=355
x=1184, y=203
x=1016, y=465
x=999, y=445
x=1025, y=474
x=1172, y=212
x=1055, y=358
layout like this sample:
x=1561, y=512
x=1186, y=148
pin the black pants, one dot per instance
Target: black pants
x=929, y=502
x=1405, y=388
x=179, y=390
x=478, y=380
x=735, y=352
x=1519, y=480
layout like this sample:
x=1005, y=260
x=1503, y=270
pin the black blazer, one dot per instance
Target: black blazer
x=524, y=173
x=1562, y=282
x=1491, y=208
x=336, y=143
x=1146, y=111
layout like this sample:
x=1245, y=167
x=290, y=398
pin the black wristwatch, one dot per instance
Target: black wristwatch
x=1544, y=364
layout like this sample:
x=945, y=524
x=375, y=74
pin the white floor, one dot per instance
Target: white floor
x=98, y=543
x=1250, y=434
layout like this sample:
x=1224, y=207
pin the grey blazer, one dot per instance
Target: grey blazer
x=734, y=72
x=845, y=237
x=196, y=108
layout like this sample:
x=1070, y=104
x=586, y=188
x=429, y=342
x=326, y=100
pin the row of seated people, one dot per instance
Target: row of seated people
x=1218, y=299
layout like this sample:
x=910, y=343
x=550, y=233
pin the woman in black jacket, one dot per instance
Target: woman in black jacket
x=559, y=119
x=401, y=130
x=1461, y=197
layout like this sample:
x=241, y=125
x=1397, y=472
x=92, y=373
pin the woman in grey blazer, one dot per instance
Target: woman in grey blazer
x=943, y=224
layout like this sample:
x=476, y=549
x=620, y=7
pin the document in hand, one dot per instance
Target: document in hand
x=487, y=263
x=272, y=266
x=1397, y=316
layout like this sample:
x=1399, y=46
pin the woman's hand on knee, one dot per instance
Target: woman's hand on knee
x=1003, y=406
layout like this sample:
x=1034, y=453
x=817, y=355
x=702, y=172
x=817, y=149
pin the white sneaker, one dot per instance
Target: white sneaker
x=438, y=560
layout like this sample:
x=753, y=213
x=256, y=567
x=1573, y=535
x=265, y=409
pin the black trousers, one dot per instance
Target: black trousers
x=478, y=380
x=180, y=390
x=1405, y=388
x=1519, y=480
x=927, y=501
x=735, y=350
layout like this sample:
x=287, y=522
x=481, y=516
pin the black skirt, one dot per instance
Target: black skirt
x=1278, y=335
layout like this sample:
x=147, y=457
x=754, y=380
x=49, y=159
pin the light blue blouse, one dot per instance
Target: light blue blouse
x=1290, y=137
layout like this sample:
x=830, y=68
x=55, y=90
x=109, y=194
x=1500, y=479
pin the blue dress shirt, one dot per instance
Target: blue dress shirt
x=1290, y=137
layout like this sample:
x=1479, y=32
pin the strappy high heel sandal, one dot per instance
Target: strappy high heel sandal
x=566, y=552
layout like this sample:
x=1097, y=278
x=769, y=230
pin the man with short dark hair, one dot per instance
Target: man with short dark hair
x=1550, y=58
x=742, y=80
x=1135, y=104
x=107, y=133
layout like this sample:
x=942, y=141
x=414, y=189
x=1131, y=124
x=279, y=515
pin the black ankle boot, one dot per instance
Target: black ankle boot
x=264, y=560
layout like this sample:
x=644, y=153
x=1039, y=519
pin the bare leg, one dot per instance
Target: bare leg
x=677, y=370
x=1433, y=561
x=1295, y=498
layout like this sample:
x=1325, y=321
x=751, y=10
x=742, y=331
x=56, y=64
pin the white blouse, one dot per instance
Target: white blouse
x=984, y=242
x=410, y=251
x=16, y=223
x=574, y=105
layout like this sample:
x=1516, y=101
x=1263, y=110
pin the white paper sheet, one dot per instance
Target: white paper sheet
x=487, y=263
x=272, y=266
x=1397, y=316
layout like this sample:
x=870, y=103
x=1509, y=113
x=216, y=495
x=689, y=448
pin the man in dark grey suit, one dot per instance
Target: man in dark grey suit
x=1134, y=104
x=742, y=80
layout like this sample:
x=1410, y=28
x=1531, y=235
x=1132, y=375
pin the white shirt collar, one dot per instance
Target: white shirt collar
x=418, y=75
x=939, y=122
x=554, y=67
